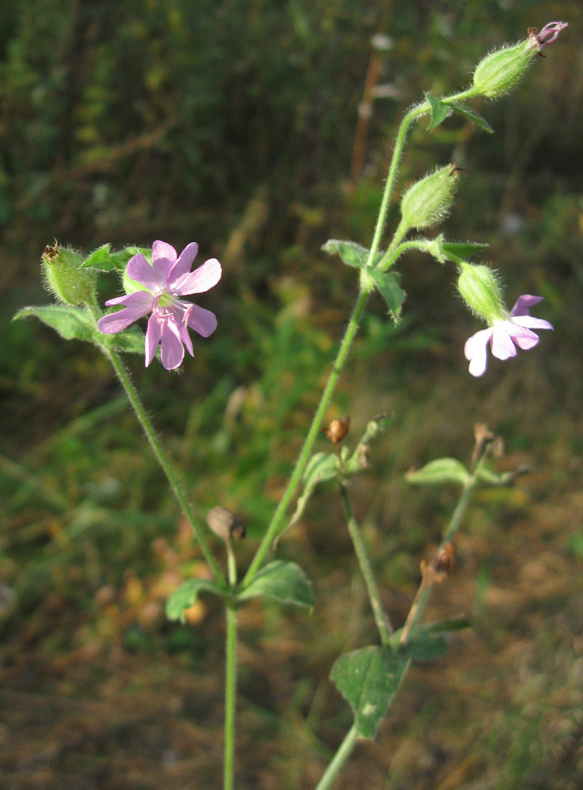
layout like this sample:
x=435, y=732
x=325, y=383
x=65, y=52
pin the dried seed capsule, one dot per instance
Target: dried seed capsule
x=225, y=524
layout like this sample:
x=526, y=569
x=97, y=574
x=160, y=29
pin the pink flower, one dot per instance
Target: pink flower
x=505, y=334
x=164, y=282
x=548, y=34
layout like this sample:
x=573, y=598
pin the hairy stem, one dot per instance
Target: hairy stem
x=383, y=624
x=161, y=457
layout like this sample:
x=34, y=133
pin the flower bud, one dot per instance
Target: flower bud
x=429, y=200
x=63, y=276
x=481, y=291
x=499, y=72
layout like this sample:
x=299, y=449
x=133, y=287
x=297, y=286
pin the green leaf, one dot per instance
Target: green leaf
x=351, y=253
x=463, y=249
x=391, y=291
x=368, y=679
x=99, y=259
x=105, y=261
x=439, y=111
x=477, y=119
x=281, y=581
x=425, y=647
x=185, y=597
x=131, y=341
x=72, y=323
x=442, y=470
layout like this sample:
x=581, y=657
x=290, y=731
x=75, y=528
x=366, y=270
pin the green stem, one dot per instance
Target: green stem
x=384, y=626
x=161, y=457
x=340, y=758
x=230, y=697
x=424, y=591
x=279, y=514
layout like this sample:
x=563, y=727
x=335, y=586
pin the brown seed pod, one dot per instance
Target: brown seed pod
x=337, y=429
x=225, y=524
x=443, y=563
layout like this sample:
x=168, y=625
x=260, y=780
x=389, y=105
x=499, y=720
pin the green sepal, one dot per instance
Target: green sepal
x=351, y=253
x=439, y=111
x=71, y=323
x=389, y=288
x=368, y=679
x=281, y=581
x=185, y=597
x=438, y=472
x=472, y=115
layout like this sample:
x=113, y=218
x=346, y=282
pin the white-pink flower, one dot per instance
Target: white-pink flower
x=505, y=334
x=164, y=282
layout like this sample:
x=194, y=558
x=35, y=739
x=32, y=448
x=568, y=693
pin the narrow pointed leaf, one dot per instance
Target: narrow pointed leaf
x=368, y=679
x=472, y=115
x=442, y=470
x=281, y=581
x=185, y=597
x=72, y=323
x=391, y=291
x=439, y=111
x=461, y=249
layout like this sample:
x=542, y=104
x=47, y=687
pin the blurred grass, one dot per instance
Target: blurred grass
x=234, y=124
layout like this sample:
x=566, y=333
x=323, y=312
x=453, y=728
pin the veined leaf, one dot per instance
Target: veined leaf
x=72, y=323
x=368, y=679
x=185, y=597
x=281, y=581
x=442, y=470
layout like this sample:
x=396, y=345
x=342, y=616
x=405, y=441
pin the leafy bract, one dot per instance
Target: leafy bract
x=454, y=250
x=472, y=115
x=439, y=111
x=185, y=597
x=281, y=581
x=351, y=253
x=442, y=470
x=105, y=261
x=390, y=290
x=368, y=679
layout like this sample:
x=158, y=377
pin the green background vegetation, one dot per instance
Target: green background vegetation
x=234, y=124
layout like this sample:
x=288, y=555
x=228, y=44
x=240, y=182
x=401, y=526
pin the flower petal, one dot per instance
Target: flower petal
x=475, y=351
x=184, y=263
x=531, y=322
x=185, y=337
x=163, y=251
x=171, y=348
x=153, y=336
x=202, y=321
x=200, y=280
x=523, y=337
x=524, y=303
x=153, y=278
x=502, y=345
x=136, y=305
